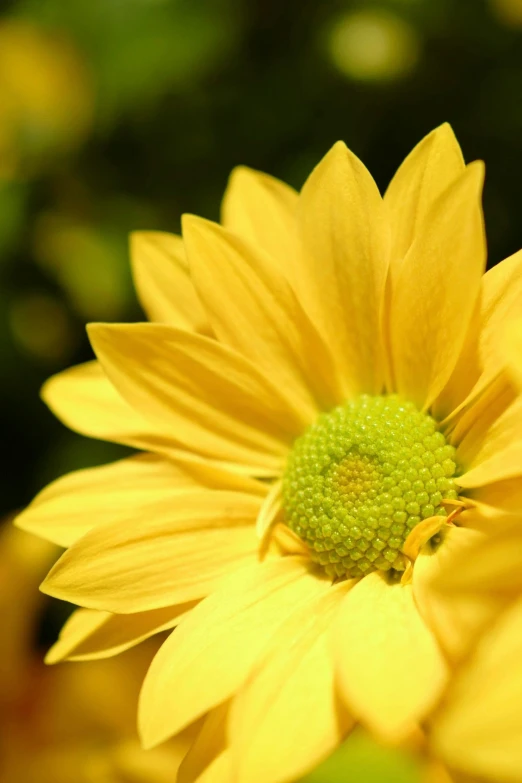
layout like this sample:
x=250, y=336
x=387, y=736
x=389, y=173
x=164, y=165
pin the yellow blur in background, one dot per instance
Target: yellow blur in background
x=74, y=722
x=47, y=98
x=508, y=11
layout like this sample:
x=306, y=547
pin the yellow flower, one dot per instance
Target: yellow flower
x=324, y=367
x=68, y=723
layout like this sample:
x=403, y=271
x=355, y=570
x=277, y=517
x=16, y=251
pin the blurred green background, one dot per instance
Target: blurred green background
x=118, y=115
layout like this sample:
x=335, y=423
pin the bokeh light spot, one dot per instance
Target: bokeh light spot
x=373, y=45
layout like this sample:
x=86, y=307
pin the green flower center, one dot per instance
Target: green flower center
x=361, y=477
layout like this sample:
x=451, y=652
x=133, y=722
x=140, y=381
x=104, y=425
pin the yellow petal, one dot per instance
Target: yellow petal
x=479, y=727
x=218, y=771
x=130, y=489
x=130, y=764
x=436, y=289
x=456, y=394
x=513, y=349
x=208, y=396
x=492, y=565
x=500, y=454
x=345, y=245
x=90, y=634
x=427, y=171
x=163, y=283
x=177, y=554
x=213, y=651
x=85, y=400
x=264, y=211
x=253, y=309
x=455, y=618
x=287, y=542
x=287, y=718
x=498, y=501
x=271, y=510
x=501, y=305
x=390, y=667
x=208, y=745
x=471, y=426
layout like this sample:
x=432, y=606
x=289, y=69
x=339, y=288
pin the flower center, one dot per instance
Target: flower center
x=361, y=477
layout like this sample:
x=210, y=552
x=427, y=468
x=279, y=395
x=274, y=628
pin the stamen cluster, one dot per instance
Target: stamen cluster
x=360, y=479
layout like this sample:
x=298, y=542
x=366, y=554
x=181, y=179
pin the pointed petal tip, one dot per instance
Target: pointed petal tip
x=146, y=734
x=148, y=742
x=477, y=171
x=241, y=174
x=339, y=150
x=47, y=587
x=190, y=222
x=51, y=584
x=47, y=391
x=245, y=179
x=444, y=129
x=52, y=657
x=97, y=327
x=152, y=731
x=199, y=228
x=25, y=521
x=444, y=136
x=100, y=332
x=20, y=523
x=135, y=238
x=342, y=164
x=188, y=219
x=140, y=238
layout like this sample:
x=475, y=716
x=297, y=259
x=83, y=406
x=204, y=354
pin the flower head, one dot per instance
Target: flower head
x=362, y=478
x=324, y=409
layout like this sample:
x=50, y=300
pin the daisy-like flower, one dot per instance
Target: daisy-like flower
x=324, y=409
